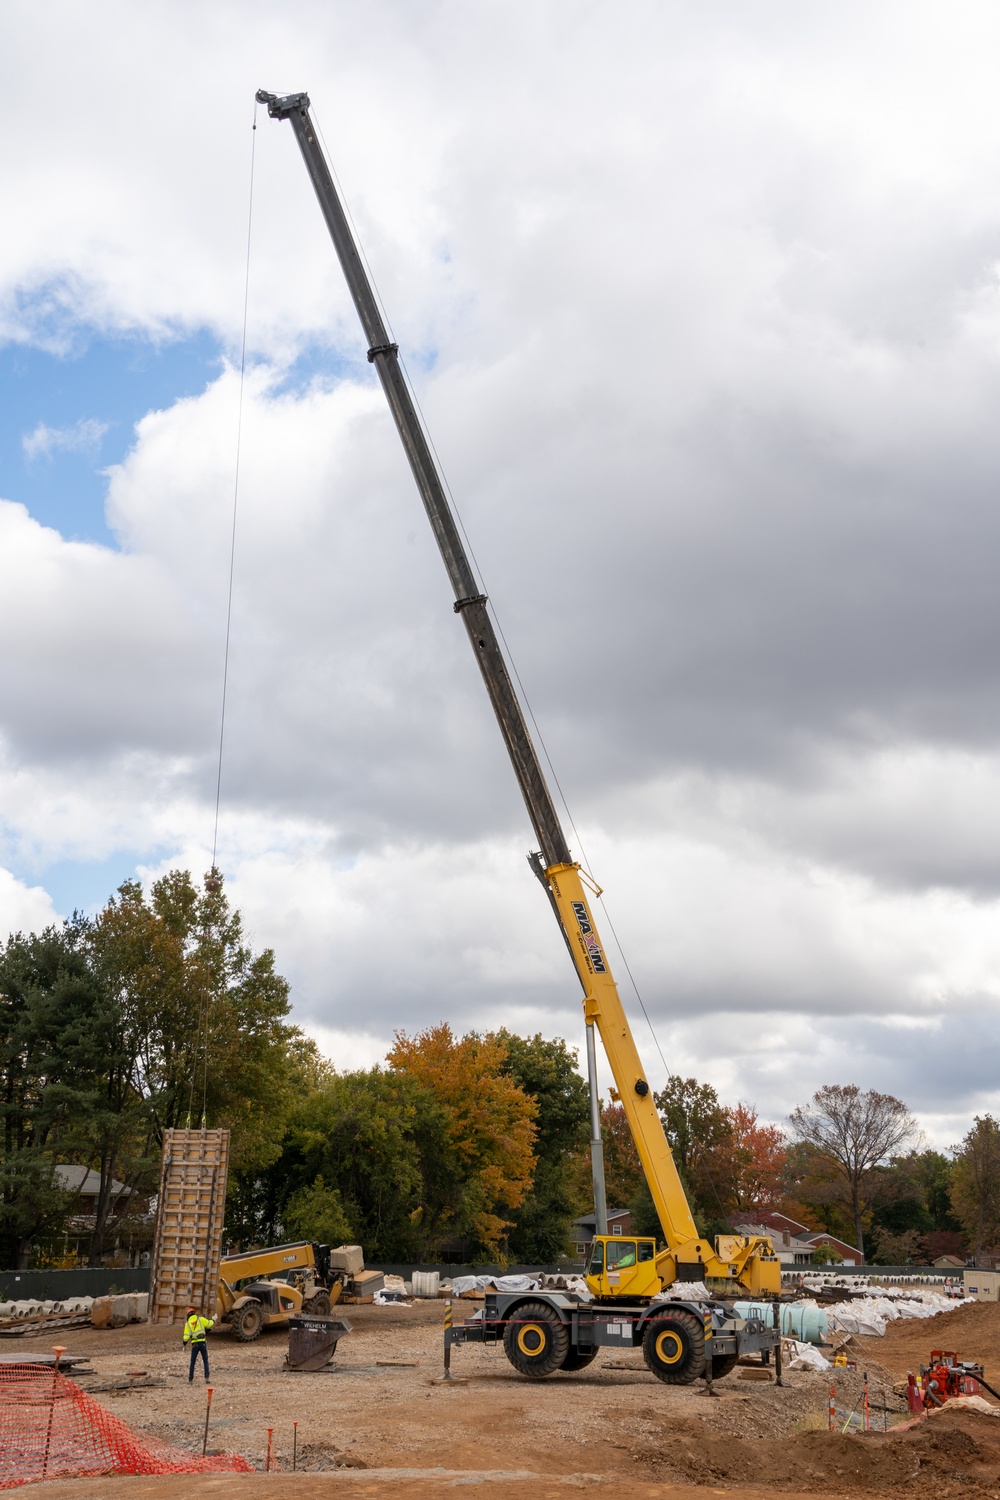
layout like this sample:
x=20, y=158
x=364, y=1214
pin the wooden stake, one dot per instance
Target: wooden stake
x=208, y=1408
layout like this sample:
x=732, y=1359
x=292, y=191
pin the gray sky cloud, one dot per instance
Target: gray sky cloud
x=704, y=312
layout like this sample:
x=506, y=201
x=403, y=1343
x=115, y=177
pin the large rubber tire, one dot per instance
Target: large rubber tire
x=319, y=1304
x=723, y=1365
x=535, y=1340
x=247, y=1322
x=578, y=1359
x=674, y=1348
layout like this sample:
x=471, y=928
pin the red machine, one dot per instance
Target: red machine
x=948, y=1376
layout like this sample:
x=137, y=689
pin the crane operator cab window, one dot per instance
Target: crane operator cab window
x=623, y=1267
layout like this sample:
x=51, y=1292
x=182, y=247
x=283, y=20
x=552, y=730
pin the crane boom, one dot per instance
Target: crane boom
x=687, y=1256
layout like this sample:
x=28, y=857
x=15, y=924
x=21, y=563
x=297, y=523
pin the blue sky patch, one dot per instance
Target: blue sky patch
x=65, y=418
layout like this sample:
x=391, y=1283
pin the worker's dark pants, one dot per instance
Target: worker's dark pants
x=198, y=1348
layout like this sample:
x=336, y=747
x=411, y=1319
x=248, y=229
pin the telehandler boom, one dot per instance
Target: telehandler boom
x=746, y=1264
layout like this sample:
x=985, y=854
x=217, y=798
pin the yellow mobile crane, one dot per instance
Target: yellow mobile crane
x=625, y=1275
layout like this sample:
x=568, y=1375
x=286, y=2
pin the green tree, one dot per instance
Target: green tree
x=487, y=1168
x=317, y=1213
x=697, y=1127
x=976, y=1183
x=545, y=1070
x=53, y=1052
x=377, y=1137
x=205, y=1014
x=155, y=1013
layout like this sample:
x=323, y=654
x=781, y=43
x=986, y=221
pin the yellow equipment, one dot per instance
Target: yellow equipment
x=747, y=1264
x=254, y=1293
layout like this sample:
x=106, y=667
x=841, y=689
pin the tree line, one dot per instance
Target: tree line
x=157, y=1013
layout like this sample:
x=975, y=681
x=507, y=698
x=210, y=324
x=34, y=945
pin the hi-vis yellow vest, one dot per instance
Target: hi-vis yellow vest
x=195, y=1328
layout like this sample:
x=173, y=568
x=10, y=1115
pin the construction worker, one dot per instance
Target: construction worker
x=195, y=1329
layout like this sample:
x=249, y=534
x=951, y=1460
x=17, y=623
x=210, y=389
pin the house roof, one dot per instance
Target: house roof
x=768, y=1219
x=589, y=1221
x=76, y=1179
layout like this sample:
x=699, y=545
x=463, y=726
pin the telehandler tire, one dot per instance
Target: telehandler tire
x=536, y=1341
x=674, y=1348
x=247, y=1322
x=723, y=1365
x=319, y=1304
x=578, y=1359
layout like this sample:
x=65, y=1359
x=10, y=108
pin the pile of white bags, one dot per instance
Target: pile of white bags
x=803, y=1356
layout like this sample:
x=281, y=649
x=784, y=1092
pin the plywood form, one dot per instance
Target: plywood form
x=191, y=1207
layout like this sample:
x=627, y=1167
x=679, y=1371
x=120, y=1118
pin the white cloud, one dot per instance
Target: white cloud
x=23, y=908
x=704, y=314
x=82, y=437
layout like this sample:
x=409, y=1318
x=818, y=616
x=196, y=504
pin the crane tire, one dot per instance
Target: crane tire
x=578, y=1359
x=536, y=1340
x=723, y=1365
x=674, y=1348
x=247, y=1322
x=319, y=1304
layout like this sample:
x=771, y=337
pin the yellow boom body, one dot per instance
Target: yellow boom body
x=748, y=1261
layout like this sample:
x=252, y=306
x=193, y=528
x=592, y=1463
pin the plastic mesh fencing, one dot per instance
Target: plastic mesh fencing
x=51, y=1429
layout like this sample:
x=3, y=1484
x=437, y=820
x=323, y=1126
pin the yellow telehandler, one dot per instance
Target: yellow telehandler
x=264, y=1288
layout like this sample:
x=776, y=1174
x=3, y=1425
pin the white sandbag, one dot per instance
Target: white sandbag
x=854, y=1318
x=804, y=1356
x=687, y=1291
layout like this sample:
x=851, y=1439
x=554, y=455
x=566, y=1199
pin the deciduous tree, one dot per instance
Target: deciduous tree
x=749, y=1161
x=856, y=1130
x=490, y=1132
x=976, y=1183
x=545, y=1069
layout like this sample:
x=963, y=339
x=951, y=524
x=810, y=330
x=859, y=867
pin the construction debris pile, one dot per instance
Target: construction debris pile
x=20, y=1318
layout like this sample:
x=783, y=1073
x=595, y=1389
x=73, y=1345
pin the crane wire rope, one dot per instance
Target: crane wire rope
x=511, y=662
x=202, y=1033
x=236, y=494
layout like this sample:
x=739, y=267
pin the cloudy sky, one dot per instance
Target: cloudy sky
x=702, y=304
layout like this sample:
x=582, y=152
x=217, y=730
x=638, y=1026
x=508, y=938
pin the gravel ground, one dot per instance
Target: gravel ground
x=610, y=1422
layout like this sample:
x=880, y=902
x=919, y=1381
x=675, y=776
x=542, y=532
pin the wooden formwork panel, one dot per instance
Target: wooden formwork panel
x=187, y=1246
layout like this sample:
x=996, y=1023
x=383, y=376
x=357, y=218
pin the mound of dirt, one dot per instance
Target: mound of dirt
x=973, y=1331
x=959, y=1453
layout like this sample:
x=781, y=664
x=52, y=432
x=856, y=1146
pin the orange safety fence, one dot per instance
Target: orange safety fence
x=51, y=1429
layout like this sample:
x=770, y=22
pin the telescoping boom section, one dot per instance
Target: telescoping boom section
x=748, y=1262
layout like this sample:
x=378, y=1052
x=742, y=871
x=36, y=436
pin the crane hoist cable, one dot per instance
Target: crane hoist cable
x=212, y=882
x=236, y=496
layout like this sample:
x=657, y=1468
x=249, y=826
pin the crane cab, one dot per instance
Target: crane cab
x=623, y=1266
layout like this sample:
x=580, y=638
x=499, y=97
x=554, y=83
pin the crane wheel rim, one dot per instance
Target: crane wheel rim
x=531, y=1339
x=669, y=1347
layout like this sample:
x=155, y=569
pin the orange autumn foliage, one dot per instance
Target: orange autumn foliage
x=489, y=1128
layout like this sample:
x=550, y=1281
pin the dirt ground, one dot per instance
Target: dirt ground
x=972, y=1331
x=376, y=1428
